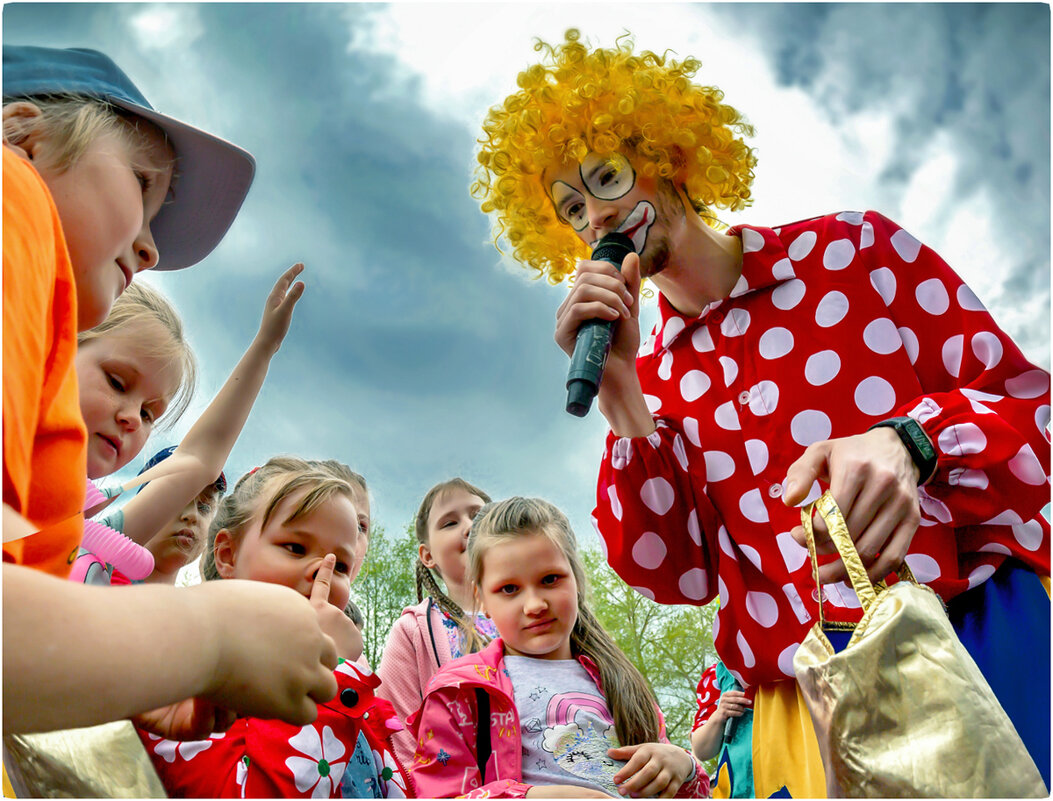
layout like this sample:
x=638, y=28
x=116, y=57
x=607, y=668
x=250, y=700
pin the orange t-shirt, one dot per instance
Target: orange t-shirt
x=45, y=456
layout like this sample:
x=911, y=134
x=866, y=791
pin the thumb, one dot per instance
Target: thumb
x=631, y=271
x=804, y=472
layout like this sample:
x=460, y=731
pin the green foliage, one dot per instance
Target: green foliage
x=670, y=645
x=384, y=587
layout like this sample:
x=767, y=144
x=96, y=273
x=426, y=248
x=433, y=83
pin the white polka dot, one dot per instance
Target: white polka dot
x=987, y=348
x=764, y=398
x=822, y=367
x=841, y=595
x=881, y=336
x=782, y=269
x=724, y=541
x=1006, y=518
x=980, y=575
x=731, y=369
x=716, y=624
x=722, y=593
x=977, y=395
x=933, y=507
x=616, y=504
x=693, y=530
x=786, y=659
x=793, y=553
x=694, y=584
x=757, y=452
x=691, y=431
x=762, y=608
x=923, y=566
x=831, y=309
x=802, y=245
x=694, y=385
x=748, y=660
x=726, y=418
x=875, y=395
x=932, y=296
x=962, y=438
x=751, y=504
x=672, y=330
x=702, y=340
x=776, y=342
x=741, y=287
x=753, y=555
x=839, y=254
x=649, y=551
x=866, y=236
x=952, y=354
x=752, y=241
x=910, y=343
x=786, y=296
x=657, y=495
x=906, y=245
x=810, y=426
x=735, y=323
x=884, y=281
x=718, y=465
x=1042, y=416
x=813, y=494
x=995, y=547
x=850, y=217
x=968, y=300
x=621, y=453
x=1028, y=534
x=679, y=452
x=1027, y=468
x=646, y=593
x=969, y=478
x=1028, y=385
x=665, y=367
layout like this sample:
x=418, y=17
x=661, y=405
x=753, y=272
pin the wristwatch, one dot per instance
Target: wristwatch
x=917, y=443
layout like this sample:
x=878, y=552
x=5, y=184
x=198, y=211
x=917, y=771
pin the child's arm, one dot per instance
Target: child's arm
x=77, y=655
x=206, y=446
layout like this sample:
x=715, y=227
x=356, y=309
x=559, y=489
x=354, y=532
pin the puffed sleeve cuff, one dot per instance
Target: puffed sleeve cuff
x=698, y=785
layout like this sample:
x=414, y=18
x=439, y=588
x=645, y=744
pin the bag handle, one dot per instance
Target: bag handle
x=846, y=548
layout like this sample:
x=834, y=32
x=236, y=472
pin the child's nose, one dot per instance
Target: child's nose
x=534, y=604
x=146, y=253
x=128, y=416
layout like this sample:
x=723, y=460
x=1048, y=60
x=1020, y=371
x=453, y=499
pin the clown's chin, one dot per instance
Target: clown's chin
x=655, y=258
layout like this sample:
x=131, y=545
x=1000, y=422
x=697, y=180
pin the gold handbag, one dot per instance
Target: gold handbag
x=903, y=711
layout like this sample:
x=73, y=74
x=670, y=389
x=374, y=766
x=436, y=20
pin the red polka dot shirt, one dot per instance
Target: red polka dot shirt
x=837, y=322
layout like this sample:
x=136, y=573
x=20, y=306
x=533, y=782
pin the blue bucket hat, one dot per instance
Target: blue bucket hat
x=220, y=483
x=213, y=175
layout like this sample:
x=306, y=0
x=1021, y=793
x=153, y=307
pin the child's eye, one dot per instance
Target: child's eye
x=147, y=415
x=363, y=526
x=203, y=508
x=508, y=589
x=342, y=568
x=115, y=382
x=294, y=548
x=551, y=578
x=145, y=182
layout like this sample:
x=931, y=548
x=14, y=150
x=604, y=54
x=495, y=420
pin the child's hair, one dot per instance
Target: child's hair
x=599, y=101
x=426, y=583
x=140, y=303
x=630, y=698
x=75, y=122
x=261, y=490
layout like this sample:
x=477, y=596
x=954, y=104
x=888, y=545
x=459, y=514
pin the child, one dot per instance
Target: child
x=567, y=713
x=85, y=207
x=293, y=522
x=436, y=630
x=723, y=727
x=126, y=368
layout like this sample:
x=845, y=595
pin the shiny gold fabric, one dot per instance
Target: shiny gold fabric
x=903, y=711
x=106, y=761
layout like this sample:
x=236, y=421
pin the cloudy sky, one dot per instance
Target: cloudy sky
x=418, y=352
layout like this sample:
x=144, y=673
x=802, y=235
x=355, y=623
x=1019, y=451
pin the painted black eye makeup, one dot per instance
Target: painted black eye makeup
x=607, y=177
x=570, y=205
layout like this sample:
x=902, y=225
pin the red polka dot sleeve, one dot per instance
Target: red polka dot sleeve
x=707, y=694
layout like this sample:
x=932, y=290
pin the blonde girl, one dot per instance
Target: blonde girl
x=437, y=629
x=294, y=523
x=568, y=714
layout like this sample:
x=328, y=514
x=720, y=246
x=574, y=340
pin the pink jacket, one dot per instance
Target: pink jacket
x=445, y=763
x=411, y=657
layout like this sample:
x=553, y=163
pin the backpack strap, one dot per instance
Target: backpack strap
x=482, y=742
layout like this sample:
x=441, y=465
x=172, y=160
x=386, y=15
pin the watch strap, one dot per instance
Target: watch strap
x=916, y=441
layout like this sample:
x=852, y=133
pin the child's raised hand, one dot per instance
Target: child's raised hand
x=278, y=310
x=653, y=770
x=332, y=619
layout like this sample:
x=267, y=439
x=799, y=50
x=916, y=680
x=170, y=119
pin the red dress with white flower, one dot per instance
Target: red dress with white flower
x=270, y=759
x=837, y=322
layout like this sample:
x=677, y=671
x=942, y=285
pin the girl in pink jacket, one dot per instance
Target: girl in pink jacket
x=436, y=630
x=553, y=708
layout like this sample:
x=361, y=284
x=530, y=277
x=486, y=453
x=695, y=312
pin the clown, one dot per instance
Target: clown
x=837, y=352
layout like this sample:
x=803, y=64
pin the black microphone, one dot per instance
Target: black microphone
x=594, y=336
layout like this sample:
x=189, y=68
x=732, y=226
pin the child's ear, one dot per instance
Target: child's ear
x=424, y=552
x=225, y=553
x=23, y=131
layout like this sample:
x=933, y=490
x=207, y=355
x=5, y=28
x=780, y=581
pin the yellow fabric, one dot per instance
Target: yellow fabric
x=785, y=751
x=722, y=787
x=1045, y=583
x=9, y=791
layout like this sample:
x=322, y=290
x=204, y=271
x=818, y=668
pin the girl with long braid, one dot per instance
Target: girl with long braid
x=437, y=629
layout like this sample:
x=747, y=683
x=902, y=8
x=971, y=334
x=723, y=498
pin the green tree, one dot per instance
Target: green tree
x=384, y=587
x=670, y=645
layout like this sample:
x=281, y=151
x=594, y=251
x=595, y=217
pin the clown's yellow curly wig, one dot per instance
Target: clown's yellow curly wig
x=604, y=101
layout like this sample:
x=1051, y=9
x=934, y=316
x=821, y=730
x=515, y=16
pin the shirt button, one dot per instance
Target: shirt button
x=744, y=398
x=815, y=595
x=775, y=491
x=716, y=317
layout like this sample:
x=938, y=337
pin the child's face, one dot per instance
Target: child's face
x=289, y=552
x=449, y=523
x=123, y=390
x=361, y=501
x=529, y=590
x=183, y=539
x=106, y=202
